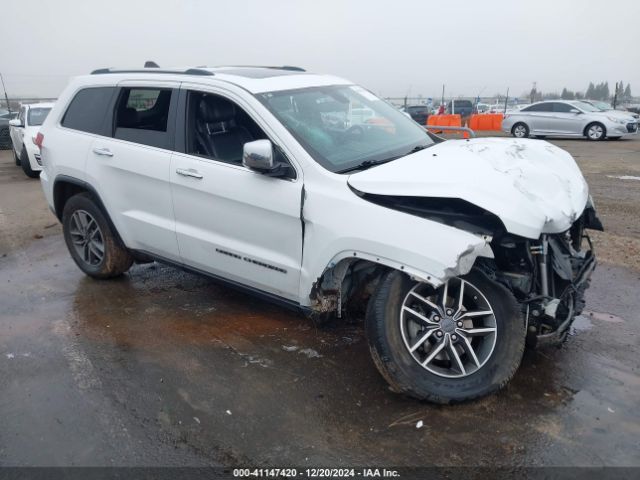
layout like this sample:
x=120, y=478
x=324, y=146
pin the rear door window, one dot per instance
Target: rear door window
x=145, y=115
x=541, y=107
x=88, y=110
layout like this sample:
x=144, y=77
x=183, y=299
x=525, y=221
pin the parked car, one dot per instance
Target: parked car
x=233, y=173
x=607, y=107
x=23, y=132
x=419, y=113
x=482, y=108
x=5, y=136
x=566, y=118
x=460, y=107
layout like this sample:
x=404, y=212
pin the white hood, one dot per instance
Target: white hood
x=533, y=186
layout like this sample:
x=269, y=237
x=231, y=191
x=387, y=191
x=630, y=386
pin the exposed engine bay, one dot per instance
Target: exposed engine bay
x=549, y=276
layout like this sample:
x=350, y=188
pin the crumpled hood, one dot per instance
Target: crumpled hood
x=533, y=186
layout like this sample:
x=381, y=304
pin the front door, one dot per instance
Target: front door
x=232, y=221
x=566, y=119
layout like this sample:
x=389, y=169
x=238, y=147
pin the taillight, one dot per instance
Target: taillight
x=38, y=139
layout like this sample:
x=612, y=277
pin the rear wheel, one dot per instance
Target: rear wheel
x=92, y=243
x=520, y=130
x=595, y=132
x=458, y=342
x=26, y=166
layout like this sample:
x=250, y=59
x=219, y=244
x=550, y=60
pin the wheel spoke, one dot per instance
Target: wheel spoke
x=426, y=301
x=476, y=332
x=85, y=253
x=433, y=354
x=460, y=296
x=445, y=293
x=96, y=253
x=83, y=221
x=479, y=313
x=470, y=351
x=422, y=340
x=454, y=353
x=76, y=222
x=419, y=316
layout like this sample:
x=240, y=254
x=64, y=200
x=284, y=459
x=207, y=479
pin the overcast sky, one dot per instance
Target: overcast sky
x=393, y=47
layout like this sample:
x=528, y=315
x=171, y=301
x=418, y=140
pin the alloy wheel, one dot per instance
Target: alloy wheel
x=520, y=131
x=86, y=237
x=450, y=331
x=595, y=132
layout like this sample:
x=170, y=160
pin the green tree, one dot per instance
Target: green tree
x=591, y=91
x=627, y=92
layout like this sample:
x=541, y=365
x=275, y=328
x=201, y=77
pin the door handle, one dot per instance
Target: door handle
x=105, y=152
x=189, y=173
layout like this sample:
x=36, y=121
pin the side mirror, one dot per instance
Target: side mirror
x=575, y=110
x=15, y=123
x=258, y=155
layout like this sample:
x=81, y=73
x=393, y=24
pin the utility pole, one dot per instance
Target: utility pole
x=506, y=99
x=5, y=94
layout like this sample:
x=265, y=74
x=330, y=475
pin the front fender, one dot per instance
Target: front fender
x=346, y=226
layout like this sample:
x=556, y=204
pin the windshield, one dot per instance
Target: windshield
x=37, y=116
x=602, y=106
x=344, y=126
x=587, y=107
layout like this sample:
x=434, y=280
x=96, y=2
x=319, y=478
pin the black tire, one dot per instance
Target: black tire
x=26, y=166
x=595, y=125
x=5, y=139
x=406, y=375
x=116, y=259
x=520, y=126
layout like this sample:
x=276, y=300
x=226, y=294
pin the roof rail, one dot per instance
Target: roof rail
x=283, y=67
x=189, y=71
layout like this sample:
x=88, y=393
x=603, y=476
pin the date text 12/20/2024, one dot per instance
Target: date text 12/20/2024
x=315, y=473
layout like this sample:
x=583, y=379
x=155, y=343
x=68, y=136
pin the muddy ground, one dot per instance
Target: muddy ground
x=162, y=367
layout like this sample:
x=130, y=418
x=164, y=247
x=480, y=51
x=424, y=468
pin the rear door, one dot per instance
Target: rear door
x=131, y=167
x=540, y=117
x=232, y=221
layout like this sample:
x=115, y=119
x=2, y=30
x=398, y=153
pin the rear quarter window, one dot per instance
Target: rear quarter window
x=88, y=110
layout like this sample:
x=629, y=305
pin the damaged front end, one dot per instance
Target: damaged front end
x=548, y=276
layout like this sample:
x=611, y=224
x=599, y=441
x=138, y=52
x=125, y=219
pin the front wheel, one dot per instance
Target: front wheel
x=520, y=130
x=595, y=132
x=458, y=342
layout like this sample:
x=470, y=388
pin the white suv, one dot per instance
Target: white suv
x=23, y=131
x=458, y=251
